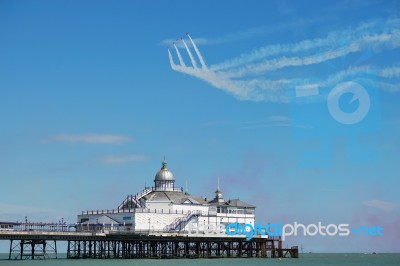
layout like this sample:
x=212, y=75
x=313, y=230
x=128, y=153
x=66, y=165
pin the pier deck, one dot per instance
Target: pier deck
x=43, y=244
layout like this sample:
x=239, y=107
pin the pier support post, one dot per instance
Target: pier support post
x=280, y=252
x=32, y=249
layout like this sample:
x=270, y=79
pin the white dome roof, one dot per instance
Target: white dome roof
x=164, y=174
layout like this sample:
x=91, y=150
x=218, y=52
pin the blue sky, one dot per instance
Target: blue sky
x=91, y=104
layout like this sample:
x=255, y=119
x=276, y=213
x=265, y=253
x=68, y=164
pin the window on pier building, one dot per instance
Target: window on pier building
x=249, y=211
x=232, y=211
x=221, y=210
x=6, y=226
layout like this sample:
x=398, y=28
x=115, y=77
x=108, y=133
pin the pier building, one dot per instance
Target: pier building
x=165, y=207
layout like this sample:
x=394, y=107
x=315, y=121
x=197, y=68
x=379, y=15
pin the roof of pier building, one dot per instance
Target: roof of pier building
x=165, y=191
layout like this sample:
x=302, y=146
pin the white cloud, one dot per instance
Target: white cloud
x=90, y=138
x=121, y=159
x=271, y=121
x=278, y=118
x=380, y=204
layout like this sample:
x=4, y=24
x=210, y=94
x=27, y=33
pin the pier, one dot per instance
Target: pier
x=126, y=245
x=159, y=222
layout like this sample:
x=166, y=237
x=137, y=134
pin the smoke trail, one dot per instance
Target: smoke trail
x=179, y=56
x=203, y=64
x=190, y=54
x=171, y=61
x=243, y=77
x=364, y=33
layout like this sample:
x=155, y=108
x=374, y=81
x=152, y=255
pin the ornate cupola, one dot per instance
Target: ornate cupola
x=164, y=179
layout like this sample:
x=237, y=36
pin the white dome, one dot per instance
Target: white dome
x=164, y=174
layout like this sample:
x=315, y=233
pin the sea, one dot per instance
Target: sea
x=309, y=259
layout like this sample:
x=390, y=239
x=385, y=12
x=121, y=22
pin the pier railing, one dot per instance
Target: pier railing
x=133, y=201
x=39, y=226
x=183, y=220
x=136, y=210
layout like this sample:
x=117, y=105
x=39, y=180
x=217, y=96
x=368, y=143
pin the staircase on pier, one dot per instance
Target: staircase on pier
x=134, y=201
x=181, y=222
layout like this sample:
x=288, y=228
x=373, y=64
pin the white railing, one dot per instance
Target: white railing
x=134, y=210
x=135, y=199
x=182, y=220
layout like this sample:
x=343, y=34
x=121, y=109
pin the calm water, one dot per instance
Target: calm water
x=316, y=259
